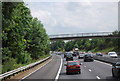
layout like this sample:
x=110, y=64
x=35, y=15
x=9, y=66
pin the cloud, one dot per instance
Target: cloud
x=76, y=17
x=41, y=14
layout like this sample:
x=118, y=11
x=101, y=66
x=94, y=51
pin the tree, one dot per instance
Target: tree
x=57, y=45
x=23, y=37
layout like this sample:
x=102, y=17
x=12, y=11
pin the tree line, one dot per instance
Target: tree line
x=24, y=38
x=93, y=45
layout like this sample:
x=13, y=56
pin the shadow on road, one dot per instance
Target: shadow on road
x=64, y=73
x=110, y=78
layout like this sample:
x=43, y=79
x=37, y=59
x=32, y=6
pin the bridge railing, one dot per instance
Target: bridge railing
x=81, y=34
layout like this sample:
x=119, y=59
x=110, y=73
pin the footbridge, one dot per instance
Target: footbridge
x=83, y=36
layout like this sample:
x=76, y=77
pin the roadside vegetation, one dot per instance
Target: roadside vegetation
x=94, y=45
x=24, y=39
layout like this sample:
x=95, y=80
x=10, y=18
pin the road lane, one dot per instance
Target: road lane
x=85, y=73
x=99, y=69
x=47, y=72
x=89, y=70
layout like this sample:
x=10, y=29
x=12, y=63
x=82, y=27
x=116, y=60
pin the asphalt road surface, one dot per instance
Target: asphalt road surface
x=89, y=71
x=48, y=72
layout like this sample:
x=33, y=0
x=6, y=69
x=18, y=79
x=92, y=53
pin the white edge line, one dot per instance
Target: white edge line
x=98, y=77
x=57, y=76
x=35, y=70
x=103, y=63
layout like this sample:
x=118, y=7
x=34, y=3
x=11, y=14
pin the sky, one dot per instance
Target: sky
x=76, y=17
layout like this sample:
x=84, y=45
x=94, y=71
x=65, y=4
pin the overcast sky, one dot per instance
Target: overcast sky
x=76, y=17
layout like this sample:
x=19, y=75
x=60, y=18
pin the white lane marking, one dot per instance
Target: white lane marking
x=98, y=77
x=103, y=63
x=84, y=66
x=90, y=70
x=57, y=76
x=35, y=70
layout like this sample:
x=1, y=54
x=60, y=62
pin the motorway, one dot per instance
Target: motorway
x=90, y=71
x=49, y=71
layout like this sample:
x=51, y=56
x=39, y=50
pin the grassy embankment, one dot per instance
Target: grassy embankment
x=13, y=65
x=104, y=51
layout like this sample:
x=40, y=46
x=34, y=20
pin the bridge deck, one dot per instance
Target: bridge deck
x=83, y=36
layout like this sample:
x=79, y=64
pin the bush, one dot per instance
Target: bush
x=10, y=65
x=24, y=58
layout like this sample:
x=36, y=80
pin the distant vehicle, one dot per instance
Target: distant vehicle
x=99, y=54
x=81, y=55
x=112, y=54
x=59, y=53
x=88, y=57
x=69, y=57
x=90, y=52
x=73, y=67
x=71, y=51
x=65, y=54
x=116, y=70
x=75, y=52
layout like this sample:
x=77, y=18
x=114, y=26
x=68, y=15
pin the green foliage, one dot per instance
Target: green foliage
x=69, y=46
x=57, y=45
x=116, y=41
x=11, y=64
x=6, y=54
x=94, y=45
x=24, y=58
x=24, y=38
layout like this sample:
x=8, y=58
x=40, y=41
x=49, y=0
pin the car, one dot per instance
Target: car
x=59, y=53
x=88, y=57
x=81, y=55
x=99, y=54
x=112, y=54
x=73, y=67
x=75, y=54
x=116, y=70
x=90, y=52
x=69, y=57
